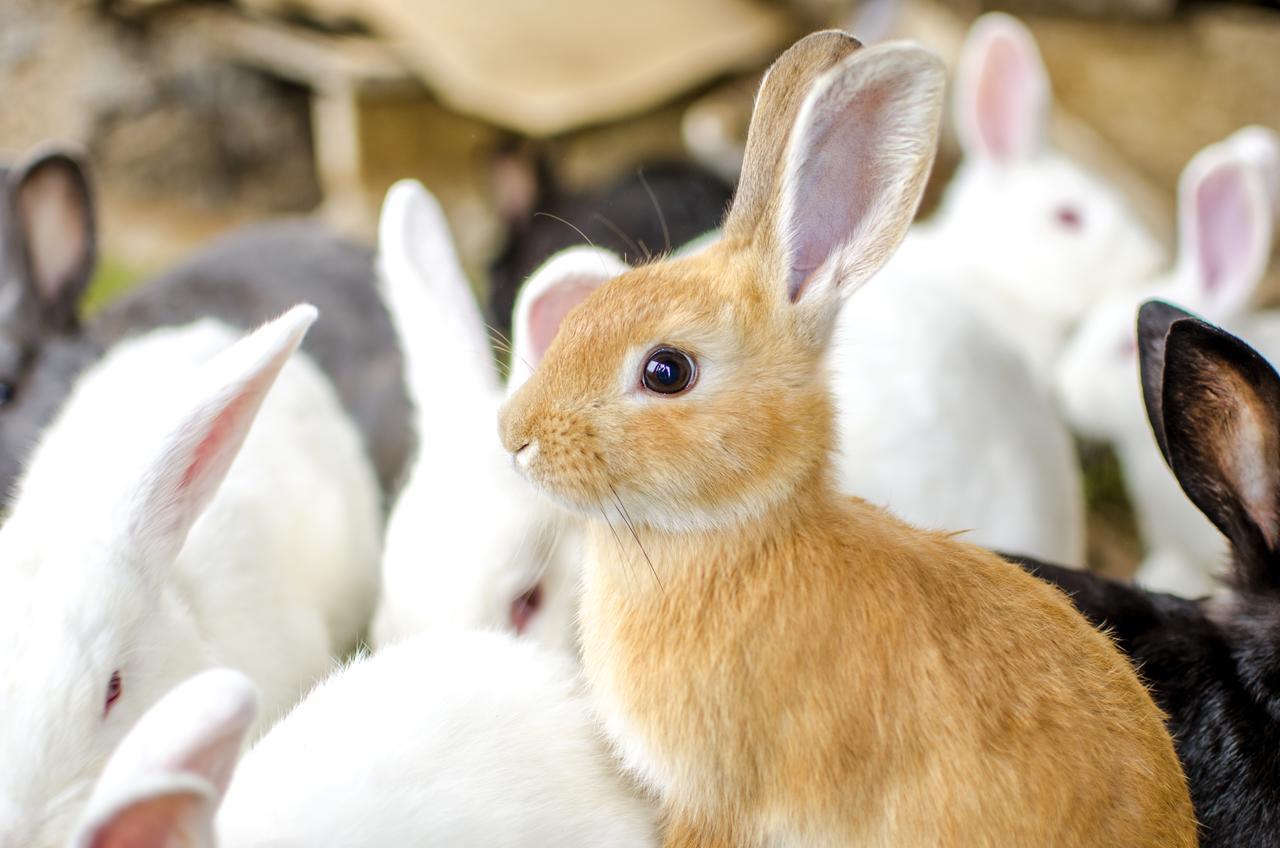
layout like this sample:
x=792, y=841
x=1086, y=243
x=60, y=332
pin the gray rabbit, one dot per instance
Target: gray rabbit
x=48, y=254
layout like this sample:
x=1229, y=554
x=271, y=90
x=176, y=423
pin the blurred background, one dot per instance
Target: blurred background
x=199, y=116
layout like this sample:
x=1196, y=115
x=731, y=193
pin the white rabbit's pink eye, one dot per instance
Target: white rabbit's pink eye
x=525, y=607
x=1069, y=218
x=115, y=688
x=668, y=371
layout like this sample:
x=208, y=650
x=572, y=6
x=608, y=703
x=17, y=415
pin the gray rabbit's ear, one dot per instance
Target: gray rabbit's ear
x=53, y=232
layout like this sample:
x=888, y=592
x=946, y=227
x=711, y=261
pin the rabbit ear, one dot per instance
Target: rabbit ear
x=167, y=776
x=1002, y=92
x=442, y=333
x=53, y=223
x=1154, y=319
x=853, y=170
x=1222, y=422
x=1224, y=221
x=1260, y=147
x=563, y=281
x=177, y=812
x=191, y=461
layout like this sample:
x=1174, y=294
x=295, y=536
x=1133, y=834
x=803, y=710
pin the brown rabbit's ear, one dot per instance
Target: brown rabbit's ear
x=52, y=212
x=1222, y=421
x=1154, y=319
x=854, y=167
x=563, y=281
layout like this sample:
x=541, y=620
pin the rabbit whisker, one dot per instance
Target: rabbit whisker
x=662, y=219
x=616, y=541
x=627, y=518
x=620, y=234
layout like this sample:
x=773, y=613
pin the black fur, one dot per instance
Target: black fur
x=655, y=208
x=1213, y=665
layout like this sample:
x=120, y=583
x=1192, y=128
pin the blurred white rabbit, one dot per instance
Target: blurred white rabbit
x=444, y=739
x=1029, y=235
x=1225, y=226
x=468, y=543
x=137, y=553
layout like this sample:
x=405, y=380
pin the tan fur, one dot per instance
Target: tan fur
x=783, y=665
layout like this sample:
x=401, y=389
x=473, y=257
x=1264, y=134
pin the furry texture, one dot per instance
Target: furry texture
x=445, y=739
x=1225, y=227
x=130, y=563
x=468, y=543
x=1024, y=233
x=783, y=665
x=1213, y=665
x=47, y=258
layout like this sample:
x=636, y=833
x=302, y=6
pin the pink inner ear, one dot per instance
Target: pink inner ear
x=548, y=311
x=1006, y=107
x=222, y=428
x=151, y=823
x=1224, y=229
x=53, y=212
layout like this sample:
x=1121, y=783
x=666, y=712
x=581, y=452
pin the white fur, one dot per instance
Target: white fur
x=276, y=575
x=996, y=236
x=1098, y=385
x=445, y=739
x=467, y=536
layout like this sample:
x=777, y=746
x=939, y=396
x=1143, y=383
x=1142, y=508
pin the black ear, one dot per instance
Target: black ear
x=52, y=227
x=1222, y=422
x=1154, y=319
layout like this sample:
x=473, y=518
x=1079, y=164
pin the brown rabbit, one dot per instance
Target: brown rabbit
x=782, y=665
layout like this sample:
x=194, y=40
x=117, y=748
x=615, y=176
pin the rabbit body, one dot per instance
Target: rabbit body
x=444, y=739
x=276, y=577
x=779, y=663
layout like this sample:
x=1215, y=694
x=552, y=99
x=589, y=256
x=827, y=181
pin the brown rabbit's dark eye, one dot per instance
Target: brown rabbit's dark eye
x=115, y=688
x=668, y=371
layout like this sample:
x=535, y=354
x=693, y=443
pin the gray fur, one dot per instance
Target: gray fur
x=243, y=279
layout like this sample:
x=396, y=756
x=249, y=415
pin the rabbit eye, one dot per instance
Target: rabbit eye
x=7, y=392
x=525, y=607
x=668, y=371
x=115, y=688
x=1069, y=218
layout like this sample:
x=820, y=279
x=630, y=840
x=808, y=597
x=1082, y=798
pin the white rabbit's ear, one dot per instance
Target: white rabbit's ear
x=1002, y=95
x=560, y=284
x=167, y=776
x=855, y=167
x=442, y=332
x=1224, y=229
x=191, y=461
x=171, y=813
x=1260, y=147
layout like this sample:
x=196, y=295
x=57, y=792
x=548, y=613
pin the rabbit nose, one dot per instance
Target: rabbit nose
x=524, y=454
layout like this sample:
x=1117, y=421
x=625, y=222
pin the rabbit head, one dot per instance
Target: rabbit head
x=692, y=393
x=164, y=782
x=93, y=625
x=1224, y=235
x=468, y=543
x=1047, y=232
x=1214, y=407
x=47, y=255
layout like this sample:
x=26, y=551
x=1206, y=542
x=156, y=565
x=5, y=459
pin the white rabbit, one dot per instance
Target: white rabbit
x=468, y=542
x=129, y=562
x=1032, y=237
x=444, y=739
x=1225, y=226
